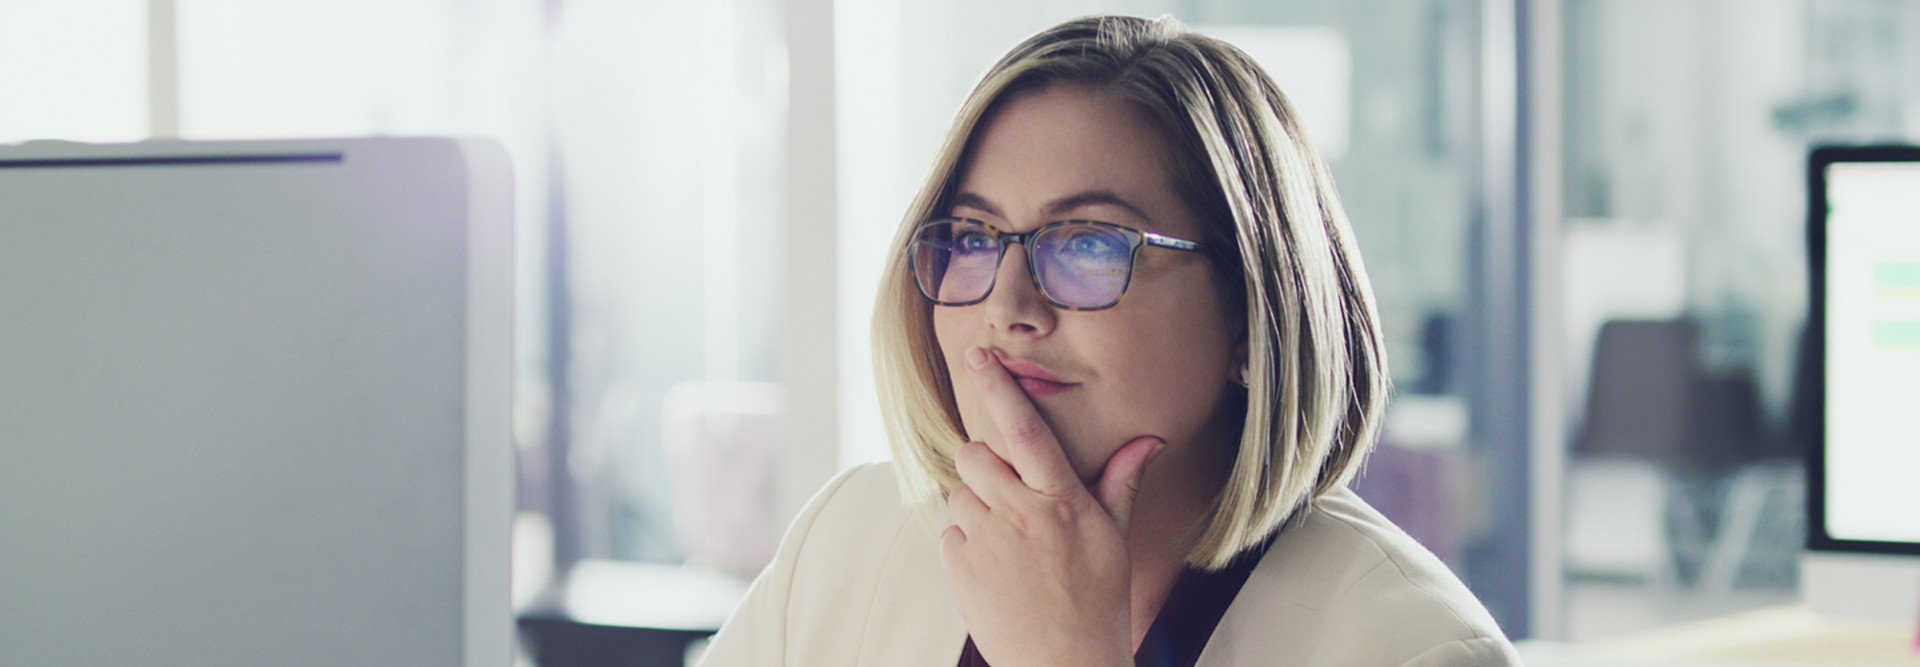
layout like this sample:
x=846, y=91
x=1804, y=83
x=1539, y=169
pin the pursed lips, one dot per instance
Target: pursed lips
x=1033, y=379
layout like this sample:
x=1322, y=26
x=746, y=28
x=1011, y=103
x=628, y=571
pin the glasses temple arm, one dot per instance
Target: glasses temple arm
x=1170, y=242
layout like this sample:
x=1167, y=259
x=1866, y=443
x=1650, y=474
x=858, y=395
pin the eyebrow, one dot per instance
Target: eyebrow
x=1058, y=206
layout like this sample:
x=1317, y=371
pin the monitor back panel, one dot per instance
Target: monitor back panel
x=237, y=414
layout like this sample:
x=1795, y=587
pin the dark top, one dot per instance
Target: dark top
x=1193, y=608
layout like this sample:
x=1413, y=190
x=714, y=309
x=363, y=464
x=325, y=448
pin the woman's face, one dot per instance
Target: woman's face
x=1158, y=363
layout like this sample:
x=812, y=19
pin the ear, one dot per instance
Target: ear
x=1242, y=356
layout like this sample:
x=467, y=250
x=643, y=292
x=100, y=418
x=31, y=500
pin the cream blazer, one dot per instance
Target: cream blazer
x=858, y=581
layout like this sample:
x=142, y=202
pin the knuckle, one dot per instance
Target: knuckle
x=1065, y=513
x=984, y=379
x=1040, y=513
x=951, y=540
x=1019, y=523
x=1062, y=493
x=962, y=495
x=1027, y=428
x=969, y=452
x=967, y=462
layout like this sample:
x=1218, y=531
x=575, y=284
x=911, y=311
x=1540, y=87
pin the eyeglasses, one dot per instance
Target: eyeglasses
x=1077, y=264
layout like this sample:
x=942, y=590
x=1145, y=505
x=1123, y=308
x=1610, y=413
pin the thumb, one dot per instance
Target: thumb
x=1120, y=480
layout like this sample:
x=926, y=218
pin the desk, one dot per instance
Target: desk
x=629, y=614
x=1772, y=637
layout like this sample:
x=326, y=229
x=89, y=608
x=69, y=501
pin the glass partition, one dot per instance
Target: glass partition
x=1688, y=126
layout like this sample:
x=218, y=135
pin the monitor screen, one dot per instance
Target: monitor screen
x=1865, y=237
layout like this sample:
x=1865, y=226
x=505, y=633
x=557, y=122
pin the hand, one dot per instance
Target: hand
x=1038, y=561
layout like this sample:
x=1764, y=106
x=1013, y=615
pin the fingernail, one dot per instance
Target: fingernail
x=976, y=358
x=1157, y=448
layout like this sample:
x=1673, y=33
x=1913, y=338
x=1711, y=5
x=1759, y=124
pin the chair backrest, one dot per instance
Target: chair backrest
x=1804, y=412
x=1725, y=424
x=1642, y=390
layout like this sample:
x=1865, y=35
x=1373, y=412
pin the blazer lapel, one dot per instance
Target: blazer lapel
x=1276, y=618
x=914, y=619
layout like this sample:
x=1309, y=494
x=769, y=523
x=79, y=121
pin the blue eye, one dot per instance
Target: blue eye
x=972, y=241
x=1094, y=245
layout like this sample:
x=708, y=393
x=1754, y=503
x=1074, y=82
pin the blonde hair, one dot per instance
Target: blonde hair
x=1317, y=379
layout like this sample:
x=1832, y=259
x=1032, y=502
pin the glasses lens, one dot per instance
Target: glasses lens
x=1083, y=266
x=954, y=260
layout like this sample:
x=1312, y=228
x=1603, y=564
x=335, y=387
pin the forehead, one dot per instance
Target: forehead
x=1053, y=145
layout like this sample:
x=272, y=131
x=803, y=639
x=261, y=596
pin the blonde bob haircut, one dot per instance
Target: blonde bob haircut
x=1317, y=377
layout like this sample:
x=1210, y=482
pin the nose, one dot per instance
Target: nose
x=1016, y=306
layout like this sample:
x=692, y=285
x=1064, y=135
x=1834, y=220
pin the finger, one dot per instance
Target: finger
x=1120, y=480
x=1027, y=440
x=991, y=477
x=966, y=509
x=952, y=540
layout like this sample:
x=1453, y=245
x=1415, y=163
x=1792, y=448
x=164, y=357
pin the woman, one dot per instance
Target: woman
x=1129, y=359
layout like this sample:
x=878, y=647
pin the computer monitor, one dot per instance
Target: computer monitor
x=254, y=403
x=1863, y=546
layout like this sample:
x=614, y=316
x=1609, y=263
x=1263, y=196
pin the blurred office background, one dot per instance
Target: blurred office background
x=1584, y=221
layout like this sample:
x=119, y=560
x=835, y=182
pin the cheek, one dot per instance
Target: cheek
x=951, y=330
x=1176, y=374
x=1159, y=378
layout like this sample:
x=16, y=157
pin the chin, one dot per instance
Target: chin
x=1088, y=461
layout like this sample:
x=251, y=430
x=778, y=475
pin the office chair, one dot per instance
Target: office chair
x=1651, y=405
x=1620, y=482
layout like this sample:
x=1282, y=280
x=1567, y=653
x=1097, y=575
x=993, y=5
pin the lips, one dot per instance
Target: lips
x=1033, y=379
x=1036, y=387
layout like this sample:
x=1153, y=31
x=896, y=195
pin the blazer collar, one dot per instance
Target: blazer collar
x=915, y=620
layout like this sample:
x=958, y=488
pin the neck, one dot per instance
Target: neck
x=1175, y=497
